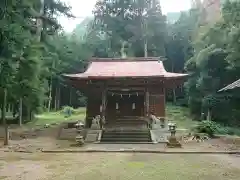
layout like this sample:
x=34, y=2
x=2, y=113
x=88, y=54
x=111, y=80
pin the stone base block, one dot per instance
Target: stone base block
x=173, y=143
x=93, y=136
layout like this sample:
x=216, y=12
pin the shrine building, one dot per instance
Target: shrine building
x=125, y=91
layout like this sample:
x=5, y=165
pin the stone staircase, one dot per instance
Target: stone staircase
x=126, y=130
x=126, y=136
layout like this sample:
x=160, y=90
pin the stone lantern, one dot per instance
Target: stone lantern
x=172, y=140
x=172, y=128
x=79, y=138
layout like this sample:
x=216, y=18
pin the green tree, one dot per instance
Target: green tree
x=214, y=65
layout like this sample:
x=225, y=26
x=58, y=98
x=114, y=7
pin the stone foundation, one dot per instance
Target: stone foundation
x=93, y=136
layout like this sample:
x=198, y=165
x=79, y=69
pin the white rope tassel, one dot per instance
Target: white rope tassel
x=133, y=106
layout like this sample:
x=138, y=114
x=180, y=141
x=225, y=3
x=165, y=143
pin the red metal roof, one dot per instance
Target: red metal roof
x=120, y=68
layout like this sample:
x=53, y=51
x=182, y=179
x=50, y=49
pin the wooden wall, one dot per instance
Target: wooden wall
x=157, y=101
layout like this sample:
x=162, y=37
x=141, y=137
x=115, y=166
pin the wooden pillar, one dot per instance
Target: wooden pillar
x=164, y=105
x=104, y=98
x=147, y=102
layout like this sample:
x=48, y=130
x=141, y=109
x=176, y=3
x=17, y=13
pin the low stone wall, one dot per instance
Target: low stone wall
x=159, y=136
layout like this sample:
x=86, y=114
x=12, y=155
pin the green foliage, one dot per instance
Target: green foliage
x=215, y=64
x=172, y=17
x=207, y=127
x=57, y=117
x=67, y=110
x=131, y=23
x=26, y=64
x=31, y=70
x=180, y=115
x=212, y=128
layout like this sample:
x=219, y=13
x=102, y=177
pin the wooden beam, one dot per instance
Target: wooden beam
x=147, y=101
x=134, y=88
x=103, y=113
x=94, y=59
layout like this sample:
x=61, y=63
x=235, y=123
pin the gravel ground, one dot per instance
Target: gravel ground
x=103, y=166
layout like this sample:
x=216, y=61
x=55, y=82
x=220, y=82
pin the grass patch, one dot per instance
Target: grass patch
x=180, y=115
x=57, y=117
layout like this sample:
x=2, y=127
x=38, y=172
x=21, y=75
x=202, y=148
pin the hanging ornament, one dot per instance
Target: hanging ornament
x=137, y=94
x=133, y=106
x=121, y=95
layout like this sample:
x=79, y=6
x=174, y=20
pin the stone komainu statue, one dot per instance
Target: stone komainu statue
x=96, y=120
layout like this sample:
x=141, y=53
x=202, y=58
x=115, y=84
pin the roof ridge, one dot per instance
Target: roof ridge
x=128, y=59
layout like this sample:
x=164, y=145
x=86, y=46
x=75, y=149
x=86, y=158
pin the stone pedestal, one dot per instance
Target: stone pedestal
x=93, y=136
x=158, y=136
x=79, y=139
x=95, y=127
x=173, y=142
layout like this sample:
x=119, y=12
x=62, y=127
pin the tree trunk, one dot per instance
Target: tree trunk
x=28, y=113
x=70, y=97
x=59, y=96
x=39, y=22
x=20, y=111
x=145, y=48
x=209, y=116
x=174, y=96
x=123, y=53
x=174, y=90
x=6, y=138
x=50, y=96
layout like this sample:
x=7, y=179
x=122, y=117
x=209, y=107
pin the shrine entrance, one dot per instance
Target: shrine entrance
x=124, y=104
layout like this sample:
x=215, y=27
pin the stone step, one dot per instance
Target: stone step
x=128, y=142
x=127, y=139
x=139, y=120
x=126, y=122
x=126, y=136
x=127, y=131
x=123, y=136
